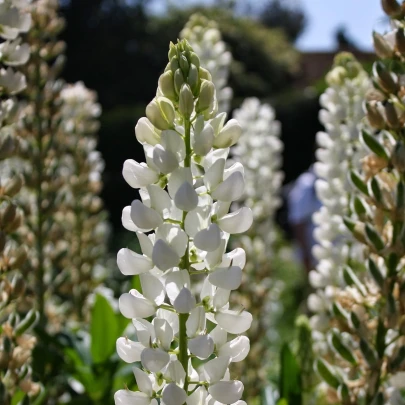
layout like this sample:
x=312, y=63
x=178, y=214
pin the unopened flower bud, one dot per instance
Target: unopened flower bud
x=172, y=51
x=18, y=285
x=178, y=80
x=19, y=258
x=398, y=156
x=186, y=101
x=174, y=64
x=205, y=74
x=2, y=240
x=166, y=85
x=155, y=111
x=391, y=116
x=388, y=81
x=381, y=46
x=336, y=76
x=391, y=7
x=194, y=59
x=184, y=65
x=193, y=79
x=7, y=146
x=374, y=116
x=30, y=319
x=8, y=214
x=400, y=40
x=13, y=186
x=206, y=97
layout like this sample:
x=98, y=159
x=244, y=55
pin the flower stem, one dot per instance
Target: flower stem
x=183, y=343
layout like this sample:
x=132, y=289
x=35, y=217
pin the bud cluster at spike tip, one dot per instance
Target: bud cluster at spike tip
x=186, y=191
x=205, y=38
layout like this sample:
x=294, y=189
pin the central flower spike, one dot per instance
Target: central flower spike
x=186, y=276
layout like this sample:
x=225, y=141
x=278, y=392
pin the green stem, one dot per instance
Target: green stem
x=183, y=343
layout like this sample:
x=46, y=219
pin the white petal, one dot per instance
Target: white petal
x=163, y=256
x=144, y=217
x=145, y=332
x=234, y=321
x=160, y=200
x=221, y=298
x=237, y=349
x=177, y=178
x=176, y=372
x=214, y=175
x=174, y=236
x=198, y=397
x=184, y=302
x=215, y=369
x=237, y=257
x=226, y=392
x=143, y=381
x=128, y=350
x=203, y=141
x=201, y=346
x=131, y=263
x=154, y=359
x=186, y=198
x=132, y=306
x=152, y=288
x=126, y=220
x=146, y=244
x=230, y=189
x=173, y=142
x=175, y=281
x=126, y=397
x=138, y=174
x=164, y=333
x=196, y=322
x=146, y=133
x=208, y=239
x=229, y=134
x=165, y=160
x=236, y=222
x=174, y=395
x=170, y=317
x=219, y=336
x=227, y=278
x=196, y=220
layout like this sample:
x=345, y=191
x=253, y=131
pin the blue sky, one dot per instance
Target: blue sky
x=359, y=17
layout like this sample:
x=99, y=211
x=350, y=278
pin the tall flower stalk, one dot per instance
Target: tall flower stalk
x=41, y=153
x=16, y=343
x=368, y=310
x=186, y=192
x=259, y=150
x=205, y=38
x=85, y=219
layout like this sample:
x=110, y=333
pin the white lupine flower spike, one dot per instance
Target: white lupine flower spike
x=186, y=191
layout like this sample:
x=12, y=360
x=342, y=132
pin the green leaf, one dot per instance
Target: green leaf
x=368, y=353
x=359, y=207
x=351, y=279
x=290, y=377
x=341, y=348
x=103, y=330
x=375, y=190
x=380, y=339
x=372, y=143
x=327, y=373
x=374, y=238
x=358, y=182
x=375, y=273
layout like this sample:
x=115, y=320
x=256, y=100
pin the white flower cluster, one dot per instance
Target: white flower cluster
x=259, y=150
x=205, y=38
x=339, y=152
x=13, y=22
x=186, y=190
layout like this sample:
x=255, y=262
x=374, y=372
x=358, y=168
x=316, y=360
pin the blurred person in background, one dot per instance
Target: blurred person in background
x=302, y=204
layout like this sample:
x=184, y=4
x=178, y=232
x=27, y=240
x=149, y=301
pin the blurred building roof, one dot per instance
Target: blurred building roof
x=315, y=65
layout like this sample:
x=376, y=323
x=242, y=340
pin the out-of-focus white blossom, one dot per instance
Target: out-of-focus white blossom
x=205, y=38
